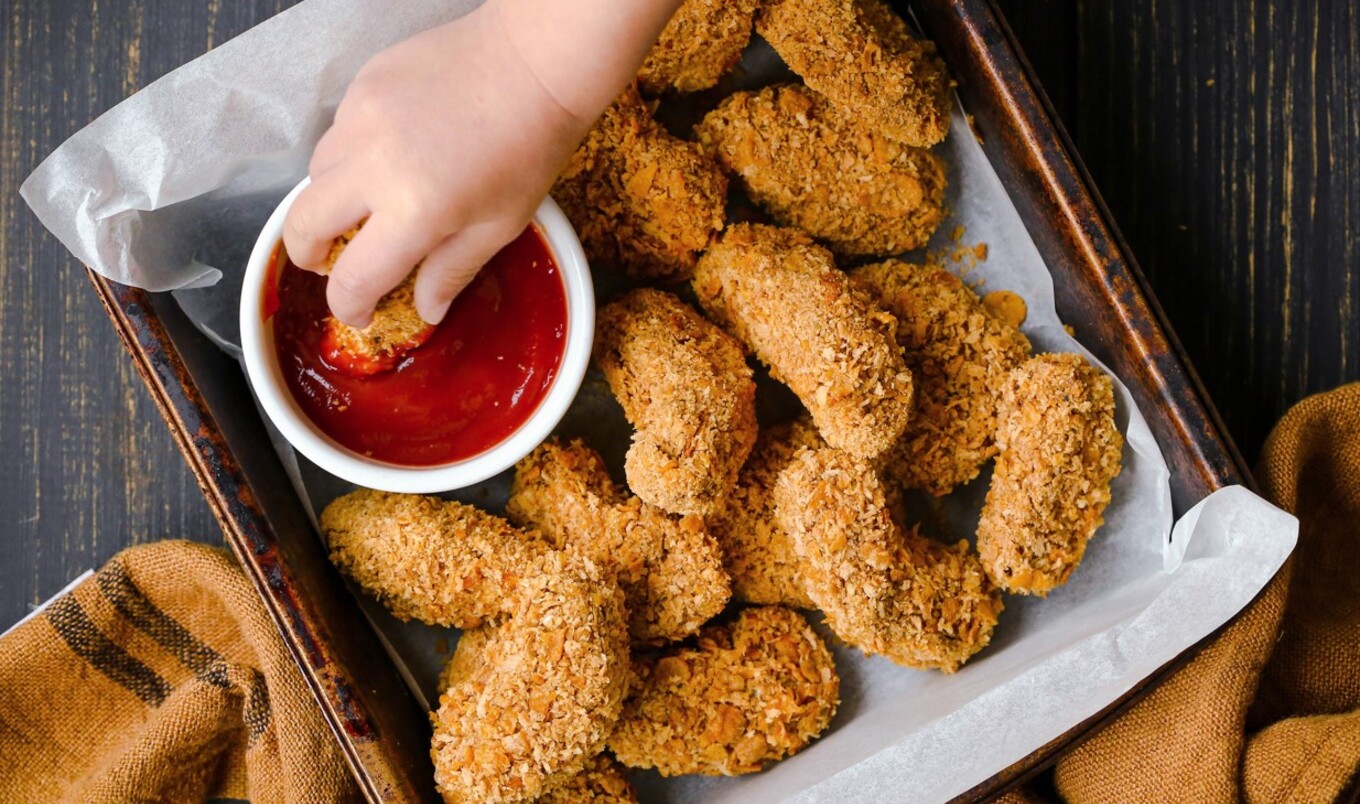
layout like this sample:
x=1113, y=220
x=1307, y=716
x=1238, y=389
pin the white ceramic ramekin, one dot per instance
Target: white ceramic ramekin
x=257, y=346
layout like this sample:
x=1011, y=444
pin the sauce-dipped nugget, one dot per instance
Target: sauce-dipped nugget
x=684, y=384
x=702, y=41
x=642, y=201
x=884, y=590
x=748, y=693
x=959, y=354
x=670, y=568
x=817, y=167
x=860, y=55
x=782, y=295
x=1059, y=453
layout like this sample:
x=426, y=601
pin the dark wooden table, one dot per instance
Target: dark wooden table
x=1224, y=134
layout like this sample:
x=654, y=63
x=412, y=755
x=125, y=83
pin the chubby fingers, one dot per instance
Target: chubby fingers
x=326, y=209
x=378, y=258
x=452, y=264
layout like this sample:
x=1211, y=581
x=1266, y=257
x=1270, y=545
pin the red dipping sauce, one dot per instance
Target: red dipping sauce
x=479, y=377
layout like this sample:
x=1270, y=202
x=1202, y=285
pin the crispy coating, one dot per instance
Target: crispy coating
x=670, y=568
x=756, y=552
x=884, y=590
x=396, y=327
x=1060, y=450
x=860, y=55
x=602, y=782
x=642, y=201
x=685, y=386
x=959, y=354
x=782, y=295
x=815, y=166
x=747, y=694
x=544, y=689
x=442, y=563
x=702, y=41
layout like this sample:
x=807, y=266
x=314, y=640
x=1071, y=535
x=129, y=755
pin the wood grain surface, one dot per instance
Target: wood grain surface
x=1223, y=134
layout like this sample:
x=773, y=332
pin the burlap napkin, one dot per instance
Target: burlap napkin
x=161, y=678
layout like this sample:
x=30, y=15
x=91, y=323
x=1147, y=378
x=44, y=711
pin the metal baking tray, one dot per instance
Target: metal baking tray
x=383, y=730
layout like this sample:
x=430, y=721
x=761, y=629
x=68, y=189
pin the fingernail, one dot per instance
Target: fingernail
x=435, y=313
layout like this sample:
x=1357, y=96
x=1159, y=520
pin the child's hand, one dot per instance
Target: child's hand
x=445, y=143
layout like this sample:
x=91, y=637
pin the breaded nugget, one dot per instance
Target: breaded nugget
x=535, y=704
x=396, y=327
x=684, y=384
x=670, y=569
x=702, y=41
x=860, y=55
x=443, y=563
x=884, y=590
x=602, y=782
x=1060, y=450
x=817, y=167
x=782, y=295
x=756, y=552
x=642, y=201
x=748, y=693
x=959, y=354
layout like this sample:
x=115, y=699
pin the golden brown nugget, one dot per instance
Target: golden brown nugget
x=860, y=55
x=702, y=41
x=959, y=354
x=747, y=694
x=602, y=782
x=1060, y=451
x=756, y=552
x=535, y=704
x=641, y=200
x=670, y=569
x=782, y=295
x=684, y=384
x=396, y=327
x=817, y=167
x=884, y=590
x=443, y=563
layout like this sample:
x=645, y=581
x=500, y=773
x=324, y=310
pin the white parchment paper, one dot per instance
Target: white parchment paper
x=168, y=190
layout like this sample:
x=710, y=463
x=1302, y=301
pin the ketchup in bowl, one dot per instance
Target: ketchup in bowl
x=477, y=379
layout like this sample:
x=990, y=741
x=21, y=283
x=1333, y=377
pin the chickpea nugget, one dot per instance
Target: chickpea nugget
x=702, y=41
x=543, y=693
x=670, y=569
x=860, y=55
x=757, y=552
x=920, y=603
x=685, y=386
x=748, y=693
x=959, y=354
x=817, y=167
x=782, y=295
x=602, y=782
x=642, y=201
x=442, y=563
x=396, y=327
x=1060, y=450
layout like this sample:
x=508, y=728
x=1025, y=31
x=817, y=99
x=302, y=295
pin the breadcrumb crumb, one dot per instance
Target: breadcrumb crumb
x=746, y=694
x=1060, y=450
x=861, y=55
x=757, y=552
x=884, y=590
x=684, y=384
x=670, y=569
x=782, y=295
x=817, y=167
x=642, y=201
x=959, y=355
x=702, y=41
x=602, y=782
